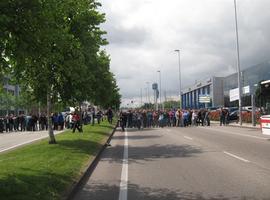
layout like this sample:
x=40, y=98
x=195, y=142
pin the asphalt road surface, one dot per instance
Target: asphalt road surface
x=194, y=163
x=13, y=140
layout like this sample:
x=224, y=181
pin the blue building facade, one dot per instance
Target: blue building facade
x=218, y=88
x=210, y=87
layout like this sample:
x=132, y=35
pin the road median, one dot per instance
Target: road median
x=42, y=171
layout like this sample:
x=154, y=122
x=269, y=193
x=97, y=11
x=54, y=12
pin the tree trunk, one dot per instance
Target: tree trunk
x=50, y=129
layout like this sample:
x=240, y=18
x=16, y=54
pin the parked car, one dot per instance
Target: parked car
x=234, y=116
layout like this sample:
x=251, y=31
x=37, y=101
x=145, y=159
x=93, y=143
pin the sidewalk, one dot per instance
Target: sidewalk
x=244, y=125
x=12, y=140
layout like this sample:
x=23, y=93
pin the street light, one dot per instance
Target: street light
x=180, y=99
x=238, y=65
x=159, y=87
x=148, y=97
x=141, y=97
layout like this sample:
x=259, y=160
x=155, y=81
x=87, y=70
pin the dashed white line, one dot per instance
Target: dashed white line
x=189, y=138
x=237, y=157
x=124, y=175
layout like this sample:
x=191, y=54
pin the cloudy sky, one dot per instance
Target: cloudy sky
x=143, y=35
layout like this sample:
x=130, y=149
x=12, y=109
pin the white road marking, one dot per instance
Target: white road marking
x=189, y=138
x=235, y=156
x=251, y=136
x=27, y=142
x=124, y=175
x=168, y=130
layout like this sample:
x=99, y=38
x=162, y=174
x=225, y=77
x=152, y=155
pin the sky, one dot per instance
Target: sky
x=143, y=35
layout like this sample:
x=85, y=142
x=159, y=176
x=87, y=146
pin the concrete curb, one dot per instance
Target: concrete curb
x=236, y=125
x=88, y=170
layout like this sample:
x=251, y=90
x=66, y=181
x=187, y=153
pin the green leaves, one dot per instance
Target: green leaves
x=54, y=46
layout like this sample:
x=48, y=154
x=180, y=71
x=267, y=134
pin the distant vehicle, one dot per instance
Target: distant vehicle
x=234, y=116
x=69, y=110
x=250, y=108
x=232, y=109
x=213, y=108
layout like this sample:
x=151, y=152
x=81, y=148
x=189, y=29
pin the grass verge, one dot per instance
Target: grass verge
x=42, y=171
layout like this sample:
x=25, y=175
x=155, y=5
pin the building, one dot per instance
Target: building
x=250, y=77
x=211, y=88
x=6, y=105
x=11, y=89
x=214, y=91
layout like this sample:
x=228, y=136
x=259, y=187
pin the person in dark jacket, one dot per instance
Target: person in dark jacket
x=1, y=125
x=110, y=115
x=55, y=121
x=60, y=120
x=123, y=120
x=99, y=116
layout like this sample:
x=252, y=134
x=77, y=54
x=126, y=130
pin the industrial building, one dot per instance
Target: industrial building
x=214, y=91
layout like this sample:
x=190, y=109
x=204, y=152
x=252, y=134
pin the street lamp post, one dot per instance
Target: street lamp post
x=148, y=97
x=141, y=98
x=253, y=92
x=160, y=88
x=180, y=99
x=238, y=65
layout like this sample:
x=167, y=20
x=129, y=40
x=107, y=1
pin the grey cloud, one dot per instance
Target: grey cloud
x=207, y=43
x=123, y=36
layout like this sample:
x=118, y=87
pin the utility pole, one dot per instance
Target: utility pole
x=238, y=65
x=160, y=92
x=179, y=69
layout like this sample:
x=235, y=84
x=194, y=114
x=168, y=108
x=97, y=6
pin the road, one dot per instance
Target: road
x=194, y=163
x=12, y=140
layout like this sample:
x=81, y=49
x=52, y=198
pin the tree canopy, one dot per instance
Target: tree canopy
x=52, y=48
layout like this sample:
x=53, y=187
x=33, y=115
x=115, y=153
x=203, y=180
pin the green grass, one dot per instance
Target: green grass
x=42, y=171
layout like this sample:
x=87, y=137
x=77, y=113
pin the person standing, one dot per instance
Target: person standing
x=6, y=122
x=1, y=125
x=123, y=120
x=130, y=117
x=43, y=122
x=110, y=115
x=76, y=120
x=61, y=120
x=22, y=122
x=93, y=115
x=222, y=117
x=99, y=115
x=194, y=118
x=55, y=121
x=206, y=118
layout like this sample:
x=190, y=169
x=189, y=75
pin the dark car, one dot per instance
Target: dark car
x=234, y=116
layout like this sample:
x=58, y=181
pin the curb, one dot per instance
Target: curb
x=243, y=126
x=235, y=125
x=89, y=169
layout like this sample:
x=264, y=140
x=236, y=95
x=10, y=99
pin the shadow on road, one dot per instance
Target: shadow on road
x=99, y=191
x=153, y=152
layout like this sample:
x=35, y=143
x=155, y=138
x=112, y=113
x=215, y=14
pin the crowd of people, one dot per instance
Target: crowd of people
x=70, y=120
x=172, y=118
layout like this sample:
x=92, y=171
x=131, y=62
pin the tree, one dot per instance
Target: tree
x=7, y=101
x=52, y=49
x=171, y=104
